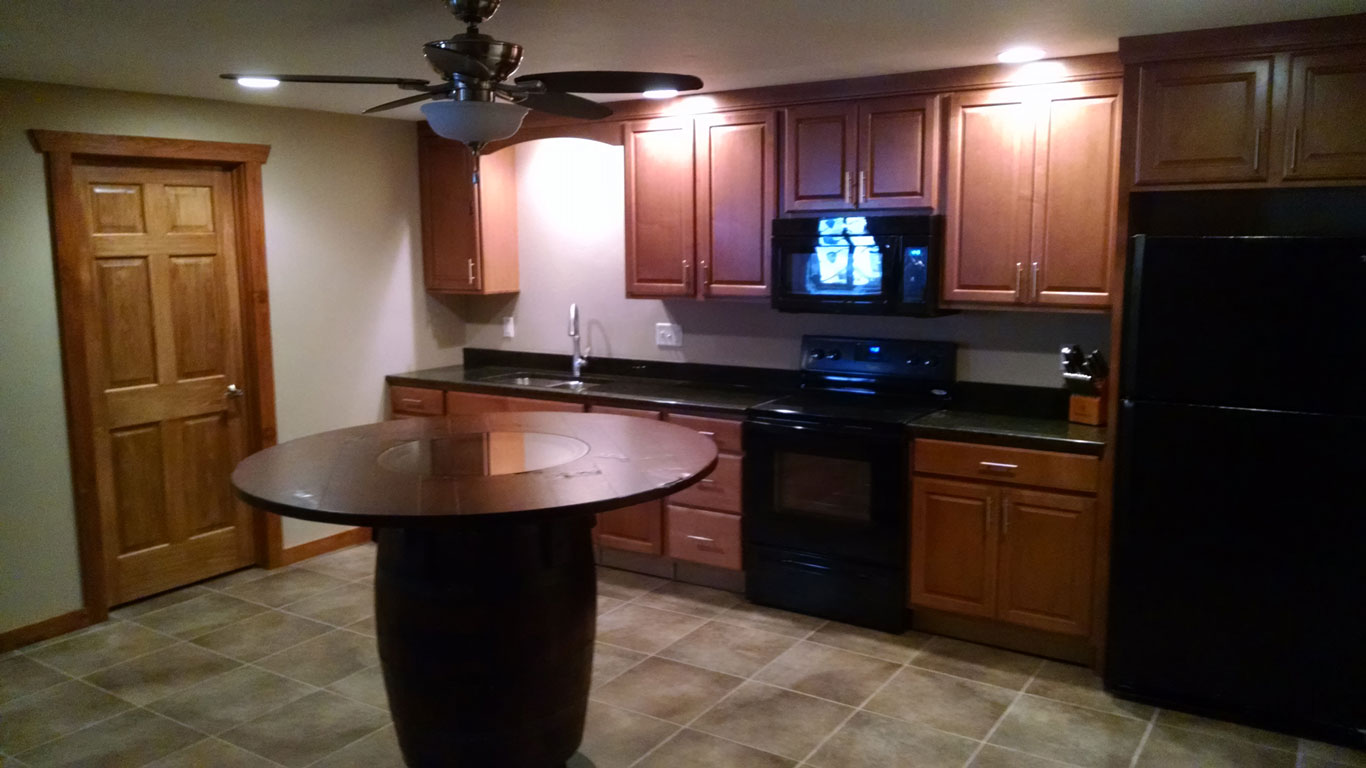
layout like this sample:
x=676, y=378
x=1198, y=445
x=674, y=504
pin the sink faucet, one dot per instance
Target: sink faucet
x=580, y=356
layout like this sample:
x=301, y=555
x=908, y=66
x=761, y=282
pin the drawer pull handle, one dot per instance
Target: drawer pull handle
x=410, y=400
x=708, y=481
x=695, y=537
x=706, y=434
x=996, y=466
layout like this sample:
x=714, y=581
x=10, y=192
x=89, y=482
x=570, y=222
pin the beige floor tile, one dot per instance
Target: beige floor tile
x=1333, y=753
x=325, y=659
x=732, y=648
x=228, y=700
x=977, y=662
x=341, y=606
x=874, y=741
x=284, y=587
x=20, y=676
x=948, y=703
x=213, y=753
x=111, y=644
x=378, y=750
x=1175, y=746
x=770, y=619
x=1074, y=684
x=133, y=738
x=610, y=661
x=694, y=749
x=644, y=629
x=992, y=756
x=235, y=578
x=667, y=689
x=1230, y=730
x=615, y=738
x=364, y=626
x=365, y=686
x=350, y=564
x=606, y=603
x=156, y=603
x=1071, y=734
x=308, y=729
x=773, y=720
x=897, y=649
x=199, y=616
x=52, y=712
x=831, y=673
x=626, y=585
x=156, y=675
x=261, y=635
x=689, y=598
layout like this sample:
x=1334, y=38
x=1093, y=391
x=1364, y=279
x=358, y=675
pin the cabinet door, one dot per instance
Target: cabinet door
x=702, y=536
x=495, y=267
x=449, y=231
x=820, y=153
x=1203, y=121
x=659, y=207
x=990, y=187
x=638, y=528
x=1047, y=560
x=529, y=404
x=1326, y=120
x=1075, y=187
x=953, y=546
x=898, y=152
x=471, y=403
x=736, y=199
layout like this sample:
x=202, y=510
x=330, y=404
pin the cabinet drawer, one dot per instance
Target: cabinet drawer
x=640, y=412
x=720, y=490
x=528, y=404
x=1046, y=469
x=469, y=403
x=416, y=401
x=700, y=536
x=725, y=432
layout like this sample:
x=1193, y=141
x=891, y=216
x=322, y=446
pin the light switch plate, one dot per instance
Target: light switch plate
x=668, y=335
x=509, y=327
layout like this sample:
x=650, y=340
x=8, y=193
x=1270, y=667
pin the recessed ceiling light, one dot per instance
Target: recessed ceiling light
x=1019, y=54
x=257, y=82
x=660, y=93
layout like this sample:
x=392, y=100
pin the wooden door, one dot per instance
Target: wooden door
x=1047, y=559
x=1326, y=119
x=953, y=546
x=990, y=189
x=495, y=266
x=898, y=152
x=1203, y=121
x=1075, y=189
x=659, y=208
x=450, y=247
x=820, y=155
x=163, y=341
x=736, y=200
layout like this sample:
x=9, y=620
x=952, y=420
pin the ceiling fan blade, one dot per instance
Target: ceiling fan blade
x=402, y=82
x=405, y=101
x=456, y=63
x=606, y=81
x=565, y=105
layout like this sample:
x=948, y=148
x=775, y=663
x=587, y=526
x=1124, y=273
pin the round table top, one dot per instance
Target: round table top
x=439, y=471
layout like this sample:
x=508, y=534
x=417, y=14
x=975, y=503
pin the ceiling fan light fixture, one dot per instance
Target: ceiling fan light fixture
x=257, y=82
x=474, y=122
x=660, y=93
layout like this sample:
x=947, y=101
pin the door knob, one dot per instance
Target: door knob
x=235, y=391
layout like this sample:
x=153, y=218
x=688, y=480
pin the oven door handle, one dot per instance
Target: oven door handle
x=806, y=565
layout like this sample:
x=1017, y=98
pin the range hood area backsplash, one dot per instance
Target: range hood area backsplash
x=572, y=249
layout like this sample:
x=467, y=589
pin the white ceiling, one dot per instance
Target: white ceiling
x=180, y=46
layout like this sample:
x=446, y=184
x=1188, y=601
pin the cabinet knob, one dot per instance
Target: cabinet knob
x=235, y=391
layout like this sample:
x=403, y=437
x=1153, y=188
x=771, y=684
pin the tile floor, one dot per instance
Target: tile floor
x=260, y=669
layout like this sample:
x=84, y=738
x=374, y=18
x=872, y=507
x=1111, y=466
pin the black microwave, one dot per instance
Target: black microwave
x=866, y=265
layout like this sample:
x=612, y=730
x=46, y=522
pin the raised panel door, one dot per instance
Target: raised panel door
x=736, y=200
x=1203, y=121
x=1046, y=560
x=660, y=213
x=496, y=258
x=820, y=155
x=638, y=528
x=1326, y=119
x=989, y=197
x=898, y=152
x=953, y=546
x=450, y=232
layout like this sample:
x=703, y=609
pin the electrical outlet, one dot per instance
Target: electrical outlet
x=668, y=335
x=509, y=327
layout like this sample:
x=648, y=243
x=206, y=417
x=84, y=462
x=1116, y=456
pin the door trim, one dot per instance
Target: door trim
x=243, y=162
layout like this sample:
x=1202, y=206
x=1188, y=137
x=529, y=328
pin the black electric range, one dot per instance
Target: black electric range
x=827, y=476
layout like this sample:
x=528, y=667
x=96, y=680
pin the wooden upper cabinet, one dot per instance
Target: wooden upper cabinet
x=1326, y=116
x=469, y=234
x=1047, y=560
x=659, y=207
x=820, y=152
x=898, y=152
x=1204, y=121
x=988, y=202
x=953, y=547
x=736, y=200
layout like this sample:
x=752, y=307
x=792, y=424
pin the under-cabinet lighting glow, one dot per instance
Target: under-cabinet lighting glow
x=1019, y=54
x=257, y=82
x=660, y=93
x=1040, y=72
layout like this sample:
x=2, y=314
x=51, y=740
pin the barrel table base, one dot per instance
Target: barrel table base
x=486, y=641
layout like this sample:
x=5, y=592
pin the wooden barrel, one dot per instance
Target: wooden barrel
x=486, y=641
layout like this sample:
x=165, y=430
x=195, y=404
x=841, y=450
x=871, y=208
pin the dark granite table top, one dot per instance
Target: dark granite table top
x=1016, y=431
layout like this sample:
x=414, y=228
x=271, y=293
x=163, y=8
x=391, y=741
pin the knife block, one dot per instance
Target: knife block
x=1088, y=409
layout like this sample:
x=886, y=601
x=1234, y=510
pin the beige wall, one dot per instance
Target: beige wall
x=570, y=224
x=342, y=241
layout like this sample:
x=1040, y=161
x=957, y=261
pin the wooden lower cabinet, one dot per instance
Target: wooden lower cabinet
x=415, y=402
x=703, y=536
x=638, y=528
x=953, y=547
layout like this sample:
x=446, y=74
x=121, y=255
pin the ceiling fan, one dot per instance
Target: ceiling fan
x=474, y=104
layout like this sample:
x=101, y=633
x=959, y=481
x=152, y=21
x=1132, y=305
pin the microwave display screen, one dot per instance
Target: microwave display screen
x=846, y=261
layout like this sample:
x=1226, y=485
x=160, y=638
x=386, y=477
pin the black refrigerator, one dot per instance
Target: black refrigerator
x=1238, y=581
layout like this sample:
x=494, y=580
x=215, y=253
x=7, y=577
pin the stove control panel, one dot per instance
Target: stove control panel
x=898, y=358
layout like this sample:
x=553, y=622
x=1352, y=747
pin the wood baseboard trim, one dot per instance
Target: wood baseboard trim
x=291, y=555
x=43, y=630
x=1076, y=650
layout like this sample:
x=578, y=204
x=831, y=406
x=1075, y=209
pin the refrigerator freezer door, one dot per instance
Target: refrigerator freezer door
x=1271, y=323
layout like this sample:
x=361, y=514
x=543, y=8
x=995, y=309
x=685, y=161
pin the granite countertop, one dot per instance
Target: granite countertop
x=1017, y=431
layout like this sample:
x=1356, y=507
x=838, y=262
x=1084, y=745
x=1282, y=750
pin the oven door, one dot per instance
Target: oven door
x=853, y=274
x=836, y=491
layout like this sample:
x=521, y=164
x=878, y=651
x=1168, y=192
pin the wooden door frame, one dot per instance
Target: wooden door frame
x=62, y=151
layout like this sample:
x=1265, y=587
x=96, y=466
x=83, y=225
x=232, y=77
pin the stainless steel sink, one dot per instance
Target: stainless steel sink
x=547, y=380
